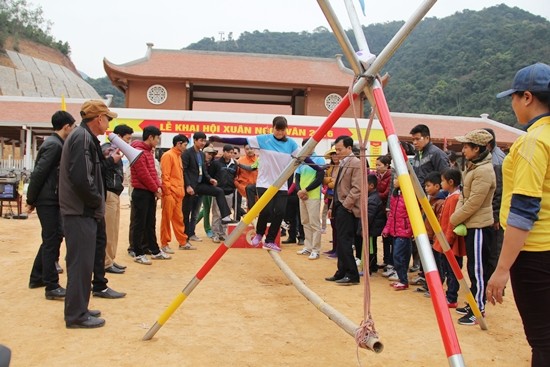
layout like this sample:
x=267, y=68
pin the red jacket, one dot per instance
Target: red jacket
x=383, y=186
x=143, y=171
x=398, y=224
x=456, y=242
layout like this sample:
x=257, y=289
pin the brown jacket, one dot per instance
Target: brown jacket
x=349, y=185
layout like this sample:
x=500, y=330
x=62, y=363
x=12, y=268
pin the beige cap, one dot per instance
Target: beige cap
x=477, y=137
x=210, y=149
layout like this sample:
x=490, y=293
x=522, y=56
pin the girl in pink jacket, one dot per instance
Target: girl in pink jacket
x=399, y=227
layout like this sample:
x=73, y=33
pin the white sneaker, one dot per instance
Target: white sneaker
x=313, y=256
x=142, y=259
x=388, y=272
x=161, y=256
x=167, y=249
x=358, y=262
x=187, y=246
x=303, y=251
x=195, y=238
x=216, y=239
x=393, y=277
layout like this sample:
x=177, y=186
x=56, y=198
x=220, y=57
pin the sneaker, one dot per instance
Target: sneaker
x=142, y=259
x=209, y=234
x=463, y=310
x=167, y=249
x=303, y=251
x=393, y=277
x=414, y=268
x=161, y=256
x=358, y=262
x=323, y=230
x=333, y=256
x=452, y=304
x=271, y=246
x=469, y=319
x=427, y=294
x=389, y=271
x=418, y=280
x=131, y=253
x=187, y=246
x=195, y=238
x=216, y=239
x=256, y=240
x=313, y=256
x=400, y=286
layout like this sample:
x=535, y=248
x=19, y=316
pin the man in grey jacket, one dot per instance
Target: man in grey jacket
x=42, y=194
x=82, y=203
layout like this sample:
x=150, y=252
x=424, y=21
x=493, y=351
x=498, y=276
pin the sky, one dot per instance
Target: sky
x=119, y=29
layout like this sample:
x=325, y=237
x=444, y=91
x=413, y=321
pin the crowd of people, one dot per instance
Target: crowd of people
x=495, y=205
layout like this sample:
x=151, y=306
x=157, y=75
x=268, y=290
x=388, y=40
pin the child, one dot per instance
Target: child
x=377, y=220
x=399, y=227
x=450, y=182
x=432, y=186
x=384, y=175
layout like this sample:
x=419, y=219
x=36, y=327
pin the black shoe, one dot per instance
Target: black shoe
x=90, y=323
x=121, y=267
x=114, y=270
x=301, y=242
x=94, y=313
x=289, y=240
x=332, y=279
x=109, y=293
x=57, y=293
x=347, y=281
x=39, y=284
x=58, y=268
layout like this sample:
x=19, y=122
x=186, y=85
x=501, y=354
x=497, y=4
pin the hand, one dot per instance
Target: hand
x=213, y=182
x=117, y=155
x=158, y=195
x=496, y=226
x=30, y=208
x=496, y=285
x=329, y=214
x=190, y=190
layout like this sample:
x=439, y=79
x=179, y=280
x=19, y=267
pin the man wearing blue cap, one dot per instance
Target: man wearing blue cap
x=525, y=211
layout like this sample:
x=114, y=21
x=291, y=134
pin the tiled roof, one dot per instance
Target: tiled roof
x=224, y=66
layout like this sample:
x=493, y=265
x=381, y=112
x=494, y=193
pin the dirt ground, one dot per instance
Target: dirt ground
x=244, y=313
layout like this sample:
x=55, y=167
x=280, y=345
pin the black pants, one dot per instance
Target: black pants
x=347, y=228
x=99, y=282
x=80, y=236
x=250, y=195
x=43, y=269
x=144, y=217
x=530, y=279
x=274, y=212
x=477, y=252
x=292, y=217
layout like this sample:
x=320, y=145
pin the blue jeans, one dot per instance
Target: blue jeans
x=402, y=249
x=446, y=272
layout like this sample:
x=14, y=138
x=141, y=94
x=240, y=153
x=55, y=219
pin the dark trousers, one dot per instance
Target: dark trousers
x=347, y=228
x=144, y=208
x=402, y=248
x=80, y=237
x=494, y=249
x=292, y=217
x=447, y=274
x=273, y=212
x=250, y=195
x=333, y=226
x=191, y=205
x=530, y=279
x=388, y=250
x=477, y=251
x=99, y=282
x=43, y=268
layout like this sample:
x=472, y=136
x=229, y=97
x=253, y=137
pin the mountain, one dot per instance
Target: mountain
x=449, y=66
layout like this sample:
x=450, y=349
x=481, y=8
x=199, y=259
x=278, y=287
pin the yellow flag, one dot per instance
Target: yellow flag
x=63, y=105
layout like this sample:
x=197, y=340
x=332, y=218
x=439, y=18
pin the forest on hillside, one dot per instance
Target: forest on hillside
x=450, y=66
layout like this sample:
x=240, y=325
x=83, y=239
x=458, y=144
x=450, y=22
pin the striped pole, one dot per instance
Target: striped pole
x=377, y=99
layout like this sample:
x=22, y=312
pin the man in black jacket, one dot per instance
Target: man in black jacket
x=42, y=194
x=223, y=170
x=114, y=177
x=198, y=182
x=82, y=206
